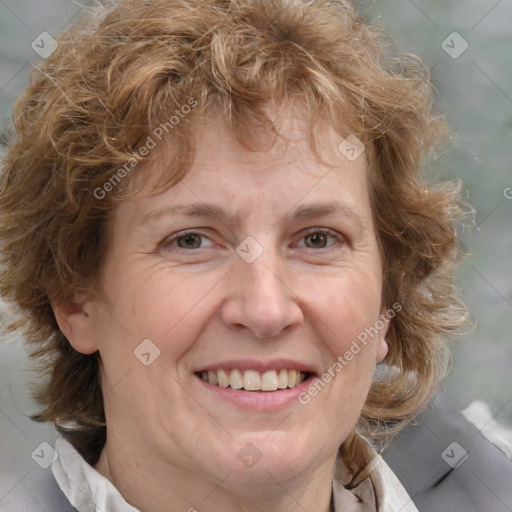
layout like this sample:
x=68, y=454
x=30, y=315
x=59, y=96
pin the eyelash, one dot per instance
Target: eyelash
x=324, y=231
x=169, y=241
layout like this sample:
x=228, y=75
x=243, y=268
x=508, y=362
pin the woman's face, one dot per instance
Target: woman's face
x=257, y=262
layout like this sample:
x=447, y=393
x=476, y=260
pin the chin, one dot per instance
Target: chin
x=264, y=457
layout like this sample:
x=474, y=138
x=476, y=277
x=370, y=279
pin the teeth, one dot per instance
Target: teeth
x=222, y=378
x=251, y=380
x=292, y=378
x=269, y=381
x=235, y=379
x=282, y=380
x=212, y=377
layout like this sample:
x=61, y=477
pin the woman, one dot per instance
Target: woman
x=215, y=225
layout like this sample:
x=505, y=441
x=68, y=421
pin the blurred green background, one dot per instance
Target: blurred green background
x=473, y=91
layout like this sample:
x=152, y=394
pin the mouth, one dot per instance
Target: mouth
x=254, y=380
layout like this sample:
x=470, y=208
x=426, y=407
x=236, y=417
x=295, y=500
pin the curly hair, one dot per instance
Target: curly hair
x=93, y=105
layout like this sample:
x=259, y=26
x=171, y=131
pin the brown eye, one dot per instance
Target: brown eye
x=316, y=240
x=190, y=241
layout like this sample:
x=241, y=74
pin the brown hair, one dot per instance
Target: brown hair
x=93, y=104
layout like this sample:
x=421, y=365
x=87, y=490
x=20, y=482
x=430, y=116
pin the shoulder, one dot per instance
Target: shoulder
x=36, y=492
x=443, y=459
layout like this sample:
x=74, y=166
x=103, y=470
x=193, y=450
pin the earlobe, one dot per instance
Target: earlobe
x=382, y=345
x=382, y=349
x=76, y=324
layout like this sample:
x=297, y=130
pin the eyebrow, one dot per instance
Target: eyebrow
x=302, y=212
x=317, y=211
x=189, y=210
x=321, y=210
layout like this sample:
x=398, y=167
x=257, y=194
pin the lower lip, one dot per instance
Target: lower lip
x=256, y=400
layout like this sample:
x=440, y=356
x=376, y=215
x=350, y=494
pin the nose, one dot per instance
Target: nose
x=260, y=300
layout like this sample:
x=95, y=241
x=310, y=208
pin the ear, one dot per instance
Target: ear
x=382, y=345
x=76, y=324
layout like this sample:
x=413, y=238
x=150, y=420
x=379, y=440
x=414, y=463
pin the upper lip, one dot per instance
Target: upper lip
x=259, y=366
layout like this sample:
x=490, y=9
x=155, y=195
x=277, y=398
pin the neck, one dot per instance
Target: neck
x=156, y=486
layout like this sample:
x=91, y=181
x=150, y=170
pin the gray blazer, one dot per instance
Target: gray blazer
x=447, y=465
x=37, y=492
x=439, y=475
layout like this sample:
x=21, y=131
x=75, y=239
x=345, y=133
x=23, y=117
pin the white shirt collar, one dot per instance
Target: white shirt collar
x=85, y=488
x=89, y=491
x=380, y=491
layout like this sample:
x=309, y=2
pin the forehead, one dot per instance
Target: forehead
x=284, y=168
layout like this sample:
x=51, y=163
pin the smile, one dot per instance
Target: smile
x=253, y=380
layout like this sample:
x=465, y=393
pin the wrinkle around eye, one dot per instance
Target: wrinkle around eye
x=170, y=243
x=336, y=239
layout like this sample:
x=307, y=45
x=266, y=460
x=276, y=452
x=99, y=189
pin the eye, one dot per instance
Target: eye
x=187, y=240
x=190, y=241
x=316, y=240
x=319, y=239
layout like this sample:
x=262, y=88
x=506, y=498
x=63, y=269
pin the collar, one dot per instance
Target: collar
x=88, y=491
x=377, y=488
x=85, y=488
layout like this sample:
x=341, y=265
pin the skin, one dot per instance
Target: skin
x=172, y=444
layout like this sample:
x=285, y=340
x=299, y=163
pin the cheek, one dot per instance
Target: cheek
x=347, y=308
x=166, y=307
x=347, y=317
